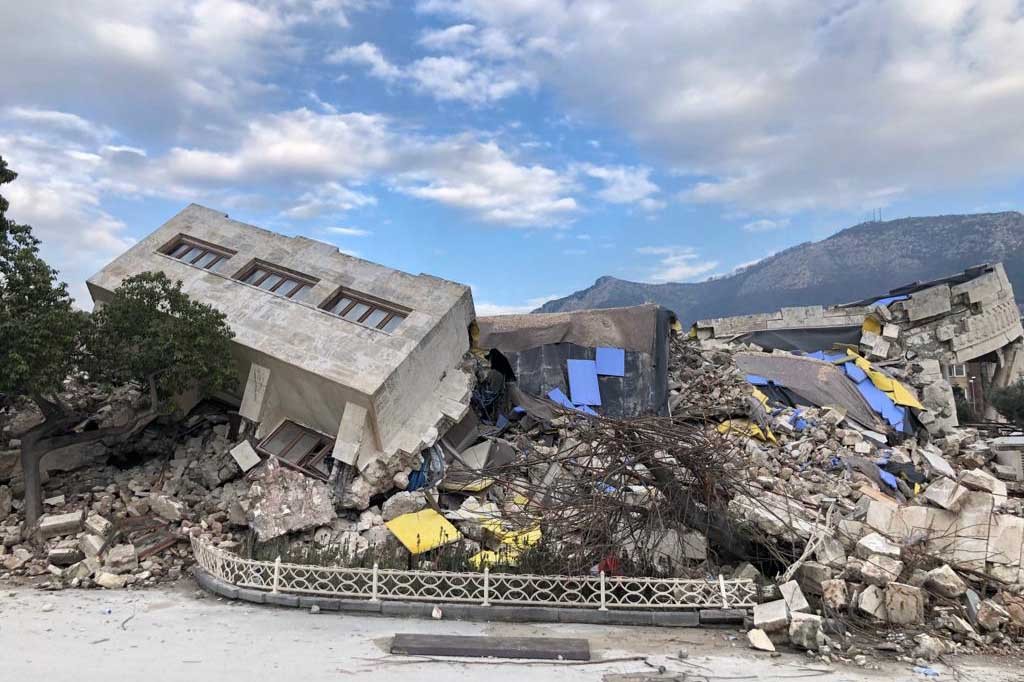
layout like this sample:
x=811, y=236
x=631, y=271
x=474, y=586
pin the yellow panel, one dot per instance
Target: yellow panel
x=871, y=325
x=746, y=428
x=901, y=395
x=423, y=531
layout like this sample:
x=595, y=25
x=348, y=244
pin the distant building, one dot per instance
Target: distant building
x=339, y=359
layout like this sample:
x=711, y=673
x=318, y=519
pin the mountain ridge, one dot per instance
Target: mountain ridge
x=860, y=261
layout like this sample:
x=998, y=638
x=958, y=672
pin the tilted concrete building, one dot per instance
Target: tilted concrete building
x=338, y=358
x=935, y=327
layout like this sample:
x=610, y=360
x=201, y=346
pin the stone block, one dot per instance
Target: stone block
x=871, y=602
x=90, y=544
x=811, y=575
x=805, y=631
x=830, y=552
x=794, y=597
x=930, y=302
x=880, y=570
x=772, y=616
x=991, y=616
x=53, y=525
x=979, y=479
x=121, y=559
x=946, y=493
x=244, y=455
x=876, y=544
x=110, y=581
x=166, y=507
x=904, y=604
x=1006, y=540
x=98, y=525
x=64, y=556
x=945, y=582
x=835, y=595
x=759, y=640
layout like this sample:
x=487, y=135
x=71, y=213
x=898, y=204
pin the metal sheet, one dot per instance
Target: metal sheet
x=611, y=361
x=583, y=386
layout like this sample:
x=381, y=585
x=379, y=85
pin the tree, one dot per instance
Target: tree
x=149, y=332
x=1009, y=402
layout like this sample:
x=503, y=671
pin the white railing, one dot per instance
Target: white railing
x=486, y=588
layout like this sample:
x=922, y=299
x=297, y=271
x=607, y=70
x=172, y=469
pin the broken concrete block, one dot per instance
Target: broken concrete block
x=875, y=544
x=98, y=525
x=403, y=503
x=121, y=559
x=871, y=602
x=64, y=556
x=831, y=553
x=979, y=479
x=991, y=616
x=945, y=582
x=747, y=571
x=904, y=604
x=811, y=575
x=110, y=581
x=936, y=462
x=759, y=640
x=166, y=507
x=794, y=597
x=891, y=331
x=55, y=501
x=282, y=501
x=835, y=595
x=90, y=544
x=880, y=570
x=771, y=616
x=53, y=525
x=946, y=493
x=18, y=558
x=805, y=631
x=929, y=648
x=244, y=455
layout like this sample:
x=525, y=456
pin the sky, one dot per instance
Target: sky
x=522, y=147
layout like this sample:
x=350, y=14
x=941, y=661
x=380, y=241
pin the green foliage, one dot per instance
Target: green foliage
x=1009, y=402
x=39, y=329
x=151, y=329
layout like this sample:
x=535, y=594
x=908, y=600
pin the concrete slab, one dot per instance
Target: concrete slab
x=539, y=648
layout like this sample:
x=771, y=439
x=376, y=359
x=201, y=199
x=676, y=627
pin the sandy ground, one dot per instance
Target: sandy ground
x=183, y=634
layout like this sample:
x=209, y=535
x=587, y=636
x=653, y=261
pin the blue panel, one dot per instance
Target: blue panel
x=611, y=362
x=855, y=372
x=756, y=380
x=882, y=404
x=583, y=386
x=586, y=410
x=889, y=479
x=890, y=299
x=817, y=355
x=556, y=395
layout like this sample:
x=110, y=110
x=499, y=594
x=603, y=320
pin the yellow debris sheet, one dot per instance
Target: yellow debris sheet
x=423, y=531
x=747, y=428
x=513, y=542
x=899, y=393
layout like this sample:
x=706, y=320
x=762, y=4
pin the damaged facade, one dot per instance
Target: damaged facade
x=932, y=328
x=338, y=359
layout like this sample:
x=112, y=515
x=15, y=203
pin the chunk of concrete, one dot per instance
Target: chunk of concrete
x=805, y=631
x=404, y=502
x=121, y=559
x=759, y=640
x=835, y=595
x=880, y=570
x=110, y=581
x=904, y=604
x=811, y=575
x=794, y=597
x=831, y=553
x=929, y=648
x=979, y=479
x=98, y=525
x=166, y=507
x=875, y=544
x=991, y=616
x=946, y=493
x=945, y=582
x=53, y=525
x=245, y=456
x=871, y=602
x=282, y=501
x=771, y=616
x=90, y=544
x=64, y=556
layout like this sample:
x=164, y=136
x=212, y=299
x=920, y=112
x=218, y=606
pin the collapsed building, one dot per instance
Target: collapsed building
x=934, y=328
x=339, y=360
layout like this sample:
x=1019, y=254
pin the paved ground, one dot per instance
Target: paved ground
x=173, y=635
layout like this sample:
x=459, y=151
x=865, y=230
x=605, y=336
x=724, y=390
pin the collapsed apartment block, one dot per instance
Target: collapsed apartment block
x=339, y=359
x=933, y=329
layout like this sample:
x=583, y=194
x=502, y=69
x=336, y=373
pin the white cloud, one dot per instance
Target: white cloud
x=368, y=55
x=765, y=225
x=676, y=263
x=485, y=308
x=786, y=106
x=447, y=38
x=349, y=231
x=624, y=184
x=330, y=198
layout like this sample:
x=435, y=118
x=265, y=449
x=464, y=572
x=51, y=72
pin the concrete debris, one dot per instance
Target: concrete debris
x=759, y=640
x=794, y=597
x=904, y=604
x=945, y=582
x=771, y=616
x=805, y=631
x=282, y=501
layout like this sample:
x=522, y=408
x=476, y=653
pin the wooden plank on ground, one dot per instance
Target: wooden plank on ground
x=542, y=648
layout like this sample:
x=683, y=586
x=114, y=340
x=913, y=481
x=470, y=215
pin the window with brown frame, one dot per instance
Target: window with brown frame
x=276, y=280
x=300, y=447
x=197, y=253
x=369, y=313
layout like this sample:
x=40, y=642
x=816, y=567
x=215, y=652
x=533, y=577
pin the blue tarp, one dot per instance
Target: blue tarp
x=757, y=380
x=883, y=404
x=556, y=395
x=583, y=386
x=854, y=372
x=611, y=362
x=890, y=299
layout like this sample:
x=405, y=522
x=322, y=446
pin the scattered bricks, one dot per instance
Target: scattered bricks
x=794, y=597
x=53, y=525
x=874, y=544
x=944, y=582
x=946, y=493
x=771, y=616
x=811, y=575
x=805, y=631
x=904, y=604
x=90, y=544
x=871, y=602
x=167, y=507
x=759, y=640
x=110, y=581
x=880, y=570
x=98, y=525
x=835, y=595
x=121, y=559
x=64, y=556
x=991, y=616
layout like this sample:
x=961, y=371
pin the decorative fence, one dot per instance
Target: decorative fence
x=486, y=588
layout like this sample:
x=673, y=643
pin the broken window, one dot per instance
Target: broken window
x=276, y=280
x=958, y=370
x=369, y=313
x=301, y=448
x=197, y=253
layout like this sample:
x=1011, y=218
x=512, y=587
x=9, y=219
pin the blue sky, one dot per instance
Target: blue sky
x=525, y=147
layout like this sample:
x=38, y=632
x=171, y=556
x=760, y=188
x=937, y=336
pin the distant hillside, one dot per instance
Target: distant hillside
x=861, y=261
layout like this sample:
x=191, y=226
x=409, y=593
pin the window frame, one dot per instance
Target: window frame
x=206, y=248
x=308, y=462
x=300, y=282
x=373, y=304
x=961, y=374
